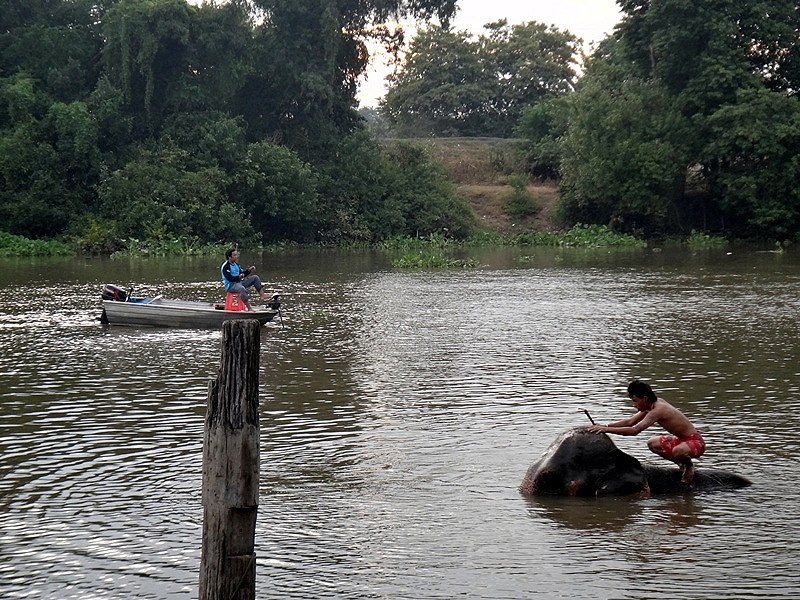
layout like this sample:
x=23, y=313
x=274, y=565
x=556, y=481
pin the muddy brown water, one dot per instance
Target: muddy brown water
x=399, y=413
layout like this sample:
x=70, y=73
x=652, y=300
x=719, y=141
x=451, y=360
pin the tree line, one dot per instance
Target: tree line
x=156, y=119
x=685, y=118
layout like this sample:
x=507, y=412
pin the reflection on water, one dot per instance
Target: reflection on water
x=399, y=413
x=605, y=514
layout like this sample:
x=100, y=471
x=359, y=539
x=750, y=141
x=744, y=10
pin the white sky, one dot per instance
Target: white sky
x=590, y=20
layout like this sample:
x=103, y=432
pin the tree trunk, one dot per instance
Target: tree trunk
x=231, y=468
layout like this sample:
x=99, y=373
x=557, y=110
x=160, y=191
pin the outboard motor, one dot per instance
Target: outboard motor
x=274, y=302
x=114, y=292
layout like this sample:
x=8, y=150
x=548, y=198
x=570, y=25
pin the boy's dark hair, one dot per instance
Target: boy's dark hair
x=229, y=253
x=641, y=390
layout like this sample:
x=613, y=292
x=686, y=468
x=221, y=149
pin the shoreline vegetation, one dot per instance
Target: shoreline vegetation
x=222, y=127
x=429, y=252
x=508, y=209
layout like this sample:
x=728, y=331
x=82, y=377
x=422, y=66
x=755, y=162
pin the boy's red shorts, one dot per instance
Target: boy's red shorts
x=696, y=443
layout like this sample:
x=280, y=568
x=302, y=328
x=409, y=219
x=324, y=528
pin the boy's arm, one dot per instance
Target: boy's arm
x=630, y=421
x=632, y=426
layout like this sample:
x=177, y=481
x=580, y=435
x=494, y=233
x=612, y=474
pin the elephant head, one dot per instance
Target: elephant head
x=580, y=463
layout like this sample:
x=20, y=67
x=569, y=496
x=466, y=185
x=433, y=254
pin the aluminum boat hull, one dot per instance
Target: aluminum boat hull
x=162, y=312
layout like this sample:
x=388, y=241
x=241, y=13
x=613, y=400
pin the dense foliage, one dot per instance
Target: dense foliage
x=15, y=245
x=452, y=84
x=130, y=121
x=158, y=120
x=686, y=118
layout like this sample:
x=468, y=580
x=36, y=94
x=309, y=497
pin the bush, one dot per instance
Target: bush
x=171, y=247
x=520, y=204
x=279, y=191
x=422, y=194
x=698, y=240
x=540, y=131
x=375, y=193
x=96, y=236
x=425, y=253
x=432, y=260
x=158, y=197
x=579, y=236
x=16, y=245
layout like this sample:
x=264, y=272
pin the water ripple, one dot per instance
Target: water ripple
x=399, y=413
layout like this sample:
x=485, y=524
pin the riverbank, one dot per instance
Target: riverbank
x=486, y=173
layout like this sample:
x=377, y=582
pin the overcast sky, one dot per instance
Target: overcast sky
x=590, y=20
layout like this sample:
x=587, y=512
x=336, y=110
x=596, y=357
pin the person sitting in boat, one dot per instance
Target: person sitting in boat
x=237, y=280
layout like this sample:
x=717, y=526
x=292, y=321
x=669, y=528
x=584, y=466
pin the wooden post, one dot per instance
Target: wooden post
x=231, y=468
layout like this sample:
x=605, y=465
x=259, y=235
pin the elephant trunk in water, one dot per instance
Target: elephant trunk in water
x=580, y=463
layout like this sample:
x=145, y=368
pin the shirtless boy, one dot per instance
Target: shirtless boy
x=681, y=447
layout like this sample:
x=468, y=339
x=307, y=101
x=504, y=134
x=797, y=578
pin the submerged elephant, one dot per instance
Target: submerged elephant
x=580, y=463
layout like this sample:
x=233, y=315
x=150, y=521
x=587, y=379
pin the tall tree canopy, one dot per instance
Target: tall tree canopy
x=158, y=119
x=694, y=118
x=56, y=42
x=309, y=56
x=453, y=84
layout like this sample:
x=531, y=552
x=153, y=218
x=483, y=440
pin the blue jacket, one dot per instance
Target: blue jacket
x=231, y=273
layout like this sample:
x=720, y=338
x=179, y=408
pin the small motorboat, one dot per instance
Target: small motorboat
x=121, y=307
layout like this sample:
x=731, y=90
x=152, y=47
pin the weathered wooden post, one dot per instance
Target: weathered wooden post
x=231, y=468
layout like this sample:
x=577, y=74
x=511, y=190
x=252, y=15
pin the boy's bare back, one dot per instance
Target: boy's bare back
x=671, y=419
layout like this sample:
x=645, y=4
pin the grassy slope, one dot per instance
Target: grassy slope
x=478, y=167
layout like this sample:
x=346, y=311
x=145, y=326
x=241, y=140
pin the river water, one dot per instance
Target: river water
x=399, y=413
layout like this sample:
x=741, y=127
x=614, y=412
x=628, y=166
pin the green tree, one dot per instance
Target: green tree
x=158, y=196
x=219, y=57
x=706, y=88
x=308, y=57
x=49, y=160
x=158, y=119
x=540, y=131
x=441, y=87
x=279, y=191
x=624, y=162
x=451, y=84
x=726, y=44
x=115, y=124
x=754, y=172
x=209, y=138
x=145, y=54
x=56, y=42
x=722, y=61
x=33, y=202
x=71, y=130
x=21, y=101
x=531, y=62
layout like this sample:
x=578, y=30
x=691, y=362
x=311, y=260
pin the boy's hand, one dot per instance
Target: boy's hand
x=597, y=429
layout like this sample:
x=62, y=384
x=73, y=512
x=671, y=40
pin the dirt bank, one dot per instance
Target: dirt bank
x=479, y=168
x=487, y=206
